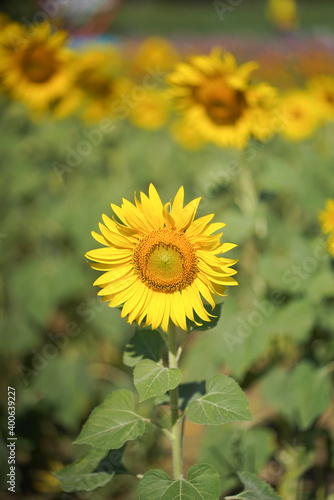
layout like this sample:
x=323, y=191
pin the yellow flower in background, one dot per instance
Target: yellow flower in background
x=186, y=135
x=44, y=481
x=156, y=54
x=95, y=85
x=150, y=112
x=322, y=94
x=283, y=13
x=12, y=35
x=326, y=217
x=301, y=115
x=330, y=244
x=217, y=98
x=158, y=261
x=35, y=64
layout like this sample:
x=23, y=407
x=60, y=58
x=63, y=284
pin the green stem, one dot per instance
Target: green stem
x=163, y=336
x=174, y=406
x=163, y=429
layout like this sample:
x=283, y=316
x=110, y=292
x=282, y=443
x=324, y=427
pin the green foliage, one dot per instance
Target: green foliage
x=255, y=489
x=275, y=334
x=112, y=423
x=152, y=379
x=301, y=394
x=96, y=469
x=223, y=402
x=145, y=344
x=231, y=448
x=202, y=482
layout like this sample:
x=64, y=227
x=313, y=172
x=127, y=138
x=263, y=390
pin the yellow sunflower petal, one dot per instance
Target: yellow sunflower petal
x=160, y=263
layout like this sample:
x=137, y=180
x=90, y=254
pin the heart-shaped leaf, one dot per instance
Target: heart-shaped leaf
x=93, y=471
x=202, y=484
x=112, y=423
x=308, y=396
x=223, y=402
x=153, y=379
x=255, y=489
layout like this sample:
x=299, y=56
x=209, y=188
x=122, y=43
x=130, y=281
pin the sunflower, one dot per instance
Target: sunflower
x=326, y=217
x=322, y=93
x=158, y=262
x=301, y=115
x=152, y=111
x=37, y=69
x=283, y=13
x=187, y=137
x=96, y=84
x=217, y=98
x=154, y=53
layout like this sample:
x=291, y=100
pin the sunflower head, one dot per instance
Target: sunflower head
x=322, y=94
x=187, y=137
x=36, y=64
x=217, y=97
x=159, y=262
x=152, y=111
x=283, y=13
x=301, y=115
x=326, y=217
x=153, y=53
x=96, y=84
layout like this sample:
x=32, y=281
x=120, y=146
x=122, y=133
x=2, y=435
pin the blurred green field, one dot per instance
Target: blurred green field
x=245, y=18
x=276, y=330
x=61, y=348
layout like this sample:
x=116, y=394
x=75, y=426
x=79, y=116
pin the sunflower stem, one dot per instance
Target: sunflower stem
x=163, y=429
x=174, y=406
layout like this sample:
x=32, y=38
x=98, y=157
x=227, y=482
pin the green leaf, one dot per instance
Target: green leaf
x=145, y=344
x=112, y=423
x=223, y=402
x=93, y=471
x=308, y=396
x=235, y=448
x=255, y=488
x=153, y=379
x=190, y=391
x=202, y=483
x=204, y=324
x=187, y=392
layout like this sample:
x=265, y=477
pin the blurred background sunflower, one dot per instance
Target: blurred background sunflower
x=232, y=100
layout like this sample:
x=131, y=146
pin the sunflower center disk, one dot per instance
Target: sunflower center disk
x=165, y=261
x=223, y=104
x=38, y=64
x=94, y=84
